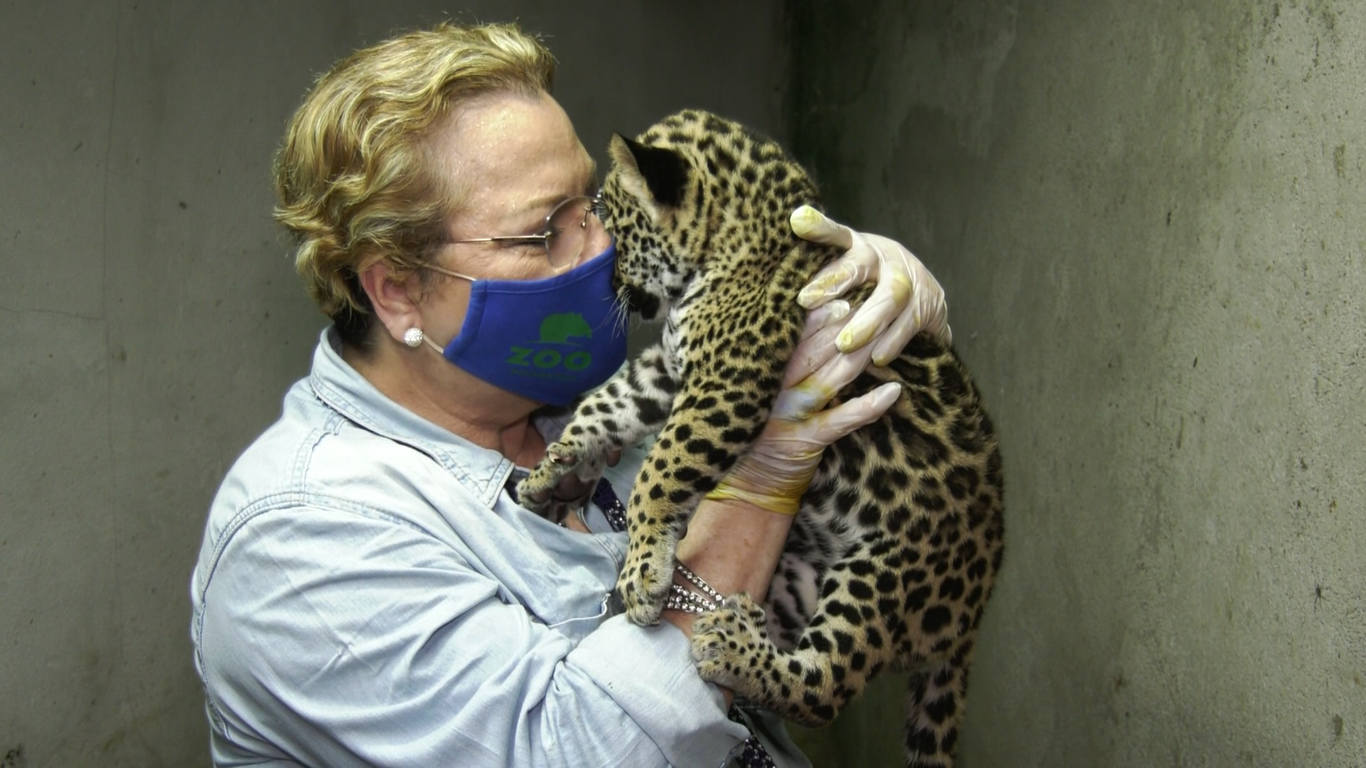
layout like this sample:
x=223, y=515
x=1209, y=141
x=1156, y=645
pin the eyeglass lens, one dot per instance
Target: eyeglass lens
x=569, y=227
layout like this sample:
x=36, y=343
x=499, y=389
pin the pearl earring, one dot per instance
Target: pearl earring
x=413, y=337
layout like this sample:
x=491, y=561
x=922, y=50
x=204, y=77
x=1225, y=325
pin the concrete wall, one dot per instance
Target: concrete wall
x=150, y=321
x=1149, y=221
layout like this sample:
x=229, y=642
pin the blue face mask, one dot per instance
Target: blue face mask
x=549, y=340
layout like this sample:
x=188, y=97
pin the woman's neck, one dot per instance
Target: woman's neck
x=454, y=400
x=523, y=444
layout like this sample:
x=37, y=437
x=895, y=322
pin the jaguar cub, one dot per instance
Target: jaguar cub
x=893, y=553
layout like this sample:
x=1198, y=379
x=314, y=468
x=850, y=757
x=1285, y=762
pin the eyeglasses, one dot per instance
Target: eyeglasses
x=567, y=231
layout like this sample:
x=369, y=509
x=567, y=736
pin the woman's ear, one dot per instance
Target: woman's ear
x=393, y=300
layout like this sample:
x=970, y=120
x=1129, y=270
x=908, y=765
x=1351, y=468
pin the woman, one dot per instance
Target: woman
x=368, y=591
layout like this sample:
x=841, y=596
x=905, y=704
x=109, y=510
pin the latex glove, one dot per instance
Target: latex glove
x=779, y=466
x=906, y=301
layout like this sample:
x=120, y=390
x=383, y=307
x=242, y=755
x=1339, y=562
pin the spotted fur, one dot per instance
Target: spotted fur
x=892, y=556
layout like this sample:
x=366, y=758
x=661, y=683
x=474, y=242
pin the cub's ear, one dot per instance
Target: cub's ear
x=656, y=175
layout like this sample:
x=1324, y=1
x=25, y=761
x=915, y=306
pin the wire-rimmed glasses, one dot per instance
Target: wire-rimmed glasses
x=567, y=230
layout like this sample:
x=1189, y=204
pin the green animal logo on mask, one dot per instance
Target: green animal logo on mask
x=557, y=329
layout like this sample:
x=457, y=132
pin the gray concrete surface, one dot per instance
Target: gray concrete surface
x=1147, y=217
x=1149, y=221
x=150, y=320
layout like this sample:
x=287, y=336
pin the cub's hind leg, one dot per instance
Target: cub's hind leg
x=854, y=633
x=879, y=607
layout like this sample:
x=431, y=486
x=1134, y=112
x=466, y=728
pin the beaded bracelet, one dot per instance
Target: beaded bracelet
x=697, y=581
x=681, y=598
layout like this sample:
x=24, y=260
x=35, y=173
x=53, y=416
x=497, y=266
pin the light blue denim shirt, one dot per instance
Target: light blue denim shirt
x=367, y=594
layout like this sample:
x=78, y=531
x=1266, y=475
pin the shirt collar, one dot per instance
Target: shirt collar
x=481, y=470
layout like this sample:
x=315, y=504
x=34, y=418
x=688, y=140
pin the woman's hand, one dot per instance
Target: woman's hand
x=906, y=301
x=776, y=471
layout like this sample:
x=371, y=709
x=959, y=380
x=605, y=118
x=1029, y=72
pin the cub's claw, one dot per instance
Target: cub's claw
x=536, y=492
x=563, y=461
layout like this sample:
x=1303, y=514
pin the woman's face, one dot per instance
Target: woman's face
x=513, y=158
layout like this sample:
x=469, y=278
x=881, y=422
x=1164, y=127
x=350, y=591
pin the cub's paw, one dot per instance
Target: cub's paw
x=644, y=582
x=549, y=485
x=731, y=646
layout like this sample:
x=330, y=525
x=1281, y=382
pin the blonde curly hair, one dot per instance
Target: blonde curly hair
x=353, y=181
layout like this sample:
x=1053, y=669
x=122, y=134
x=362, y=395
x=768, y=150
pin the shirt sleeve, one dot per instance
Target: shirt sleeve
x=340, y=639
